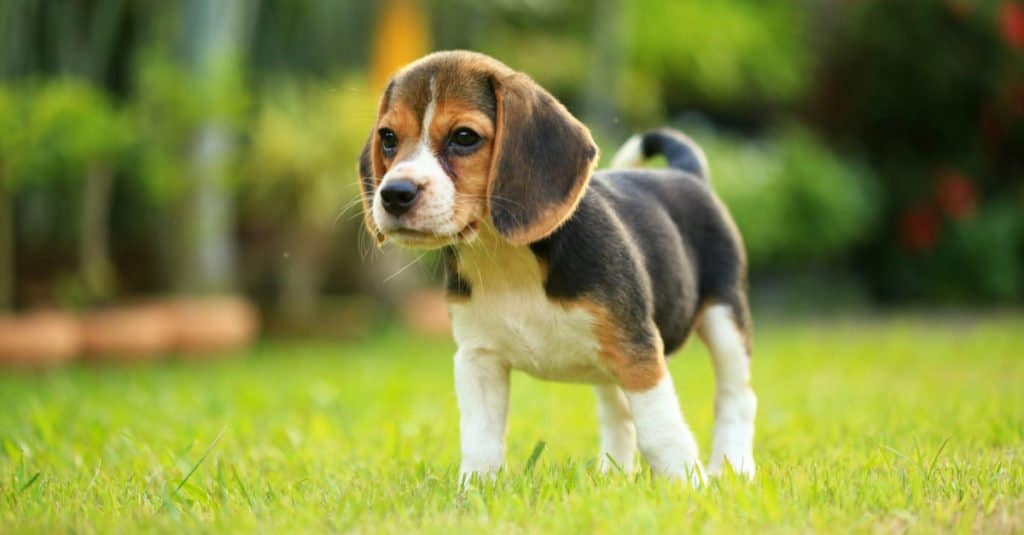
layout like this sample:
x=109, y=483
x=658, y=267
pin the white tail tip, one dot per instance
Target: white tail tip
x=630, y=154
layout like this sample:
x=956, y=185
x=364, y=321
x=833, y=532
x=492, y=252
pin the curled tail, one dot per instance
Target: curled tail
x=681, y=152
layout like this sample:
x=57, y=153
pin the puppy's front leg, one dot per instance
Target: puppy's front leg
x=481, y=385
x=618, y=434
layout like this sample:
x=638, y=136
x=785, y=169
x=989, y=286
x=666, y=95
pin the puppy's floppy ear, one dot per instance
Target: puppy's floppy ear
x=367, y=185
x=371, y=166
x=542, y=161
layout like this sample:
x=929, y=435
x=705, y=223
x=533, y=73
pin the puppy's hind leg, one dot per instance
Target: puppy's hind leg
x=618, y=434
x=735, y=402
x=662, y=434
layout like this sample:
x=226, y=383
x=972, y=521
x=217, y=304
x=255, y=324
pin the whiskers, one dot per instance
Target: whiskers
x=475, y=252
x=405, y=267
x=358, y=201
x=367, y=249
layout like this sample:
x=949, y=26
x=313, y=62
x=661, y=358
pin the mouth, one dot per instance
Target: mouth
x=415, y=238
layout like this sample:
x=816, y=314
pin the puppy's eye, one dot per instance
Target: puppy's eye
x=464, y=138
x=388, y=140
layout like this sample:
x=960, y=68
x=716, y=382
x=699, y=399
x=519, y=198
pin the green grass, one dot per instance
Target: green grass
x=907, y=423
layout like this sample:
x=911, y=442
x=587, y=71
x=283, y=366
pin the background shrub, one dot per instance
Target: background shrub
x=795, y=202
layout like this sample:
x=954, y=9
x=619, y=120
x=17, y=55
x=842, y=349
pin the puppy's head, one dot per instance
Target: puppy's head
x=460, y=140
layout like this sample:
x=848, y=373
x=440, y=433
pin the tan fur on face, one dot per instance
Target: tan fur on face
x=400, y=118
x=471, y=171
x=466, y=174
x=526, y=177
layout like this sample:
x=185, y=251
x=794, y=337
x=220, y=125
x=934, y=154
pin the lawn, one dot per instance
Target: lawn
x=911, y=422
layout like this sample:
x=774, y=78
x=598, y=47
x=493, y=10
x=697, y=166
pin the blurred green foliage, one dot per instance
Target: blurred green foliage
x=795, y=202
x=727, y=53
x=979, y=258
x=70, y=126
x=11, y=139
x=932, y=95
x=989, y=251
x=879, y=138
x=12, y=133
x=75, y=138
x=301, y=162
x=299, y=180
x=170, y=106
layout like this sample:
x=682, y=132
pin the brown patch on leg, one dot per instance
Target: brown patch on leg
x=637, y=367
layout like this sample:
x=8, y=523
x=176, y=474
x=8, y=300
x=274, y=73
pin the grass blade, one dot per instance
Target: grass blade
x=615, y=464
x=935, y=459
x=200, y=461
x=537, y=450
x=30, y=482
x=241, y=486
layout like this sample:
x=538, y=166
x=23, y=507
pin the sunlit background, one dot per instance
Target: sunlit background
x=180, y=176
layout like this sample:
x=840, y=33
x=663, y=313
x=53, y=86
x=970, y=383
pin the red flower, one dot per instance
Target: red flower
x=1012, y=19
x=955, y=195
x=919, y=228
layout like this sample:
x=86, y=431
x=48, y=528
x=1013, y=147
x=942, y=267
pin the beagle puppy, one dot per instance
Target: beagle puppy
x=561, y=272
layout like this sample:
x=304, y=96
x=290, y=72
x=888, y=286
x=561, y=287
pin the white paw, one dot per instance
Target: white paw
x=609, y=463
x=697, y=477
x=692, y=474
x=469, y=473
x=733, y=444
x=742, y=464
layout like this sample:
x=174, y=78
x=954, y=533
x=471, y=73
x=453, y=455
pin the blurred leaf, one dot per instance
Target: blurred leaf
x=70, y=125
x=306, y=139
x=12, y=134
x=722, y=52
x=793, y=200
x=170, y=106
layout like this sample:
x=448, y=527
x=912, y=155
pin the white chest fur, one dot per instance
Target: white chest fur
x=509, y=317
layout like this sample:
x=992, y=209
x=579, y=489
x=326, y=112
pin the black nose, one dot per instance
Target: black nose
x=399, y=196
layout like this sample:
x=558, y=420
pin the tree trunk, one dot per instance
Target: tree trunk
x=6, y=245
x=599, y=98
x=209, y=229
x=96, y=269
x=213, y=43
x=302, y=273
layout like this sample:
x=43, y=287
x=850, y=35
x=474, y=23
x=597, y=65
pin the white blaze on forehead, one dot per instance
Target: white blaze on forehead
x=435, y=208
x=428, y=114
x=422, y=166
